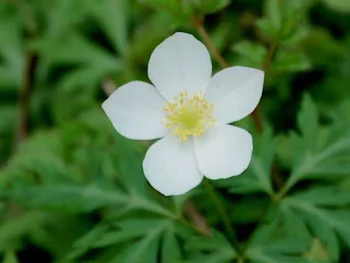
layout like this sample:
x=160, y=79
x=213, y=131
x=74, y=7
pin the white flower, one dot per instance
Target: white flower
x=190, y=111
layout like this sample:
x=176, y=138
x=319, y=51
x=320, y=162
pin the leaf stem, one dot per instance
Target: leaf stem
x=24, y=97
x=222, y=211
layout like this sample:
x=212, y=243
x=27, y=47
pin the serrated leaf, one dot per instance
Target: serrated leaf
x=324, y=196
x=145, y=249
x=308, y=123
x=290, y=61
x=263, y=159
x=58, y=14
x=252, y=54
x=87, y=241
x=218, y=241
x=218, y=247
x=267, y=247
x=294, y=226
x=283, y=21
x=71, y=197
x=127, y=230
x=81, y=198
x=318, y=153
x=324, y=223
x=76, y=50
x=171, y=250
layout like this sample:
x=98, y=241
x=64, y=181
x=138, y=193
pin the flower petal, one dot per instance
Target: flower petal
x=235, y=92
x=170, y=166
x=223, y=151
x=135, y=110
x=180, y=63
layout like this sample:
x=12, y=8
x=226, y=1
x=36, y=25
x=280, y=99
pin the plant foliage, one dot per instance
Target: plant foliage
x=73, y=190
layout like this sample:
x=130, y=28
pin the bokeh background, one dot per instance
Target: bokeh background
x=72, y=189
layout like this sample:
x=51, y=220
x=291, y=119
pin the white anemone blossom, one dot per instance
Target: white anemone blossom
x=189, y=110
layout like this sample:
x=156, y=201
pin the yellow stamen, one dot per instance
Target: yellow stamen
x=189, y=116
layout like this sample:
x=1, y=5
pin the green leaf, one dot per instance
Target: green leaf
x=59, y=15
x=318, y=252
x=212, y=258
x=273, y=9
x=10, y=257
x=11, y=55
x=71, y=197
x=143, y=250
x=324, y=222
x=283, y=22
x=338, y=5
x=325, y=196
x=210, y=6
x=293, y=223
x=81, y=198
x=249, y=210
x=7, y=115
x=266, y=247
x=14, y=229
x=218, y=247
x=171, y=250
x=88, y=241
x=251, y=54
x=318, y=153
x=263, y=159
x=308, y=123
x=76, y=50
x=129, y=229
x=290, y=61
x=113, y=15
x=172, y=6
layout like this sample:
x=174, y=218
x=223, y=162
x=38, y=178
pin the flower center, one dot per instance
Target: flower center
x=189, y=116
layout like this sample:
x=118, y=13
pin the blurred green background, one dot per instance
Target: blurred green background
x=72, y=189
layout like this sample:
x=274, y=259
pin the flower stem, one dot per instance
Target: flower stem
x=269, y=57
x=222, y=211
x=266, y=67
x=275, y=175
x=198, y=220
x=30, y=66
x=209, y=42
x=223, y=63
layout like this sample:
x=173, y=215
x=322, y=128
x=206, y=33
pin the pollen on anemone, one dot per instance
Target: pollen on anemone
x=190, y=110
